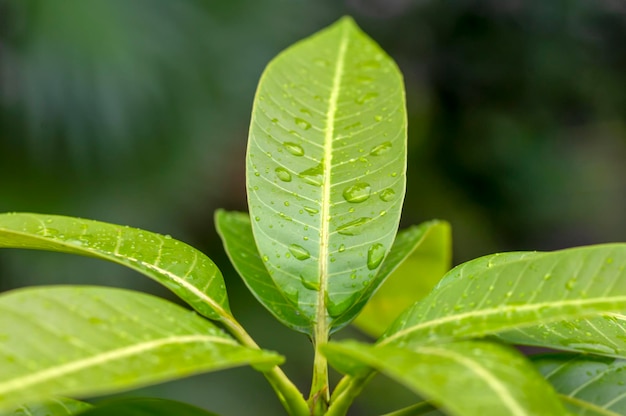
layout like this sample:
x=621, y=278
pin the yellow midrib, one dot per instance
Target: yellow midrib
x=325, y=201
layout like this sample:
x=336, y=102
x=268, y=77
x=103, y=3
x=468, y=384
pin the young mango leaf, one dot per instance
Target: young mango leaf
x=500, y=293
x=326, y=168
x=179, y=267
x=235, y=230
x=588, y=385
x=55, y=407
x=78, y=341
x=464, y=378
x=418, y=259
x=146, y=407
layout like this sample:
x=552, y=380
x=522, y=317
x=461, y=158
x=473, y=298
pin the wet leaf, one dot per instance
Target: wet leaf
x=80, y=341
x=176, y=265
x=326, y=168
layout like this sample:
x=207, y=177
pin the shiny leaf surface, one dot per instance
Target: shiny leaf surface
x=78, y=341
x=502, y=292
x=178, y=266
x=326, y=168
x=146, y=407
x=465, y=378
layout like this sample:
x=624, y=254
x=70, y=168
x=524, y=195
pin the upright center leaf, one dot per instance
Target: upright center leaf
x=326, y=168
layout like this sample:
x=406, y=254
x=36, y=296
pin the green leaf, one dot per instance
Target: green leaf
x=589, y=386
x=326, y=168
x=418, y=259
x=78, y=341
x=178, y=266
x=146, y=407
x=56, y=407
x=503, y=292
x=236, y=232
x=465, y=378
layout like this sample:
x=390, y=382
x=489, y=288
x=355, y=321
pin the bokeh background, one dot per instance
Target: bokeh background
x=136, y=112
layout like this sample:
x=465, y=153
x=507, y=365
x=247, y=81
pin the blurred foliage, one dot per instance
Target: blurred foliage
x=137, y=112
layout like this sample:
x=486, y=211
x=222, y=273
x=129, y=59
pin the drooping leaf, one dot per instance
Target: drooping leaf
x=235, y=231
x=178, y=266
x=54, y=407
x=146, y=407
x=326, y=168
x=588, y=385
x=78, y=341
x=418, y=259
x=503, y=292
x=465, y=378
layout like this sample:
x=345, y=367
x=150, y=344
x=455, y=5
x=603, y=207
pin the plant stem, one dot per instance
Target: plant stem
x=320, y=394
x=346, y=391
x=288, y=394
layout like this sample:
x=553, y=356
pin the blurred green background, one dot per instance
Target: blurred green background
x=136, y=112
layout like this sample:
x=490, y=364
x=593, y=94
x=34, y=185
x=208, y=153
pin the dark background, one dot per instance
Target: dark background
x=136, y=112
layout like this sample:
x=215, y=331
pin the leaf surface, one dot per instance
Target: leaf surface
x=235, y=231
x=503, y=292
x=77, y=341
x=465, y=378
x=588, y=385
x=178, y=266
x=326, y=168
x=146, y=407
x=56, y=407
x=418, y=259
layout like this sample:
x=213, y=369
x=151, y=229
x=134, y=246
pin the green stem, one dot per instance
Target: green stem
x=346, y=391
x=288, y=394
x=320, y=394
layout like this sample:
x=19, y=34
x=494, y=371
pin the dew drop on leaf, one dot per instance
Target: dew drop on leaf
x=303, y=124
x=299, y=252
x=380, y=149
x=283, y=174
x=342, y=248
x=310, y=284
x=313, y=175
x=353, y=227
x=358, y=192
x=311, y=211
x=387, y=194
x=375, y=256
x=294, y=148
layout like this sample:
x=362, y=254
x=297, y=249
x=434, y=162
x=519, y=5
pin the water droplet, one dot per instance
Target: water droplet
x=375, y=256
x=310, y=284
x=266, y=258
x=299, y=252
x=570, y=284
x=368, y=96
x=387, y=194
x=342, y=248
x=314, y=175
x=378, y=118
x=305, y=111
x=353, y=227
x=275, y=120
x=336, y=309
x=353, y=275
x=303, y=124
x=358, y=192
x=294, y=149
x=283, y=174
x=311, y=211
x=352, y=126
x=380, y=149
x=292, y=294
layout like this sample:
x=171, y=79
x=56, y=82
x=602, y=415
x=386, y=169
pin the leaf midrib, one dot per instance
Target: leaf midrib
x=321, y=325
x=503, y=310
x=103, y=358
x=483, y=374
